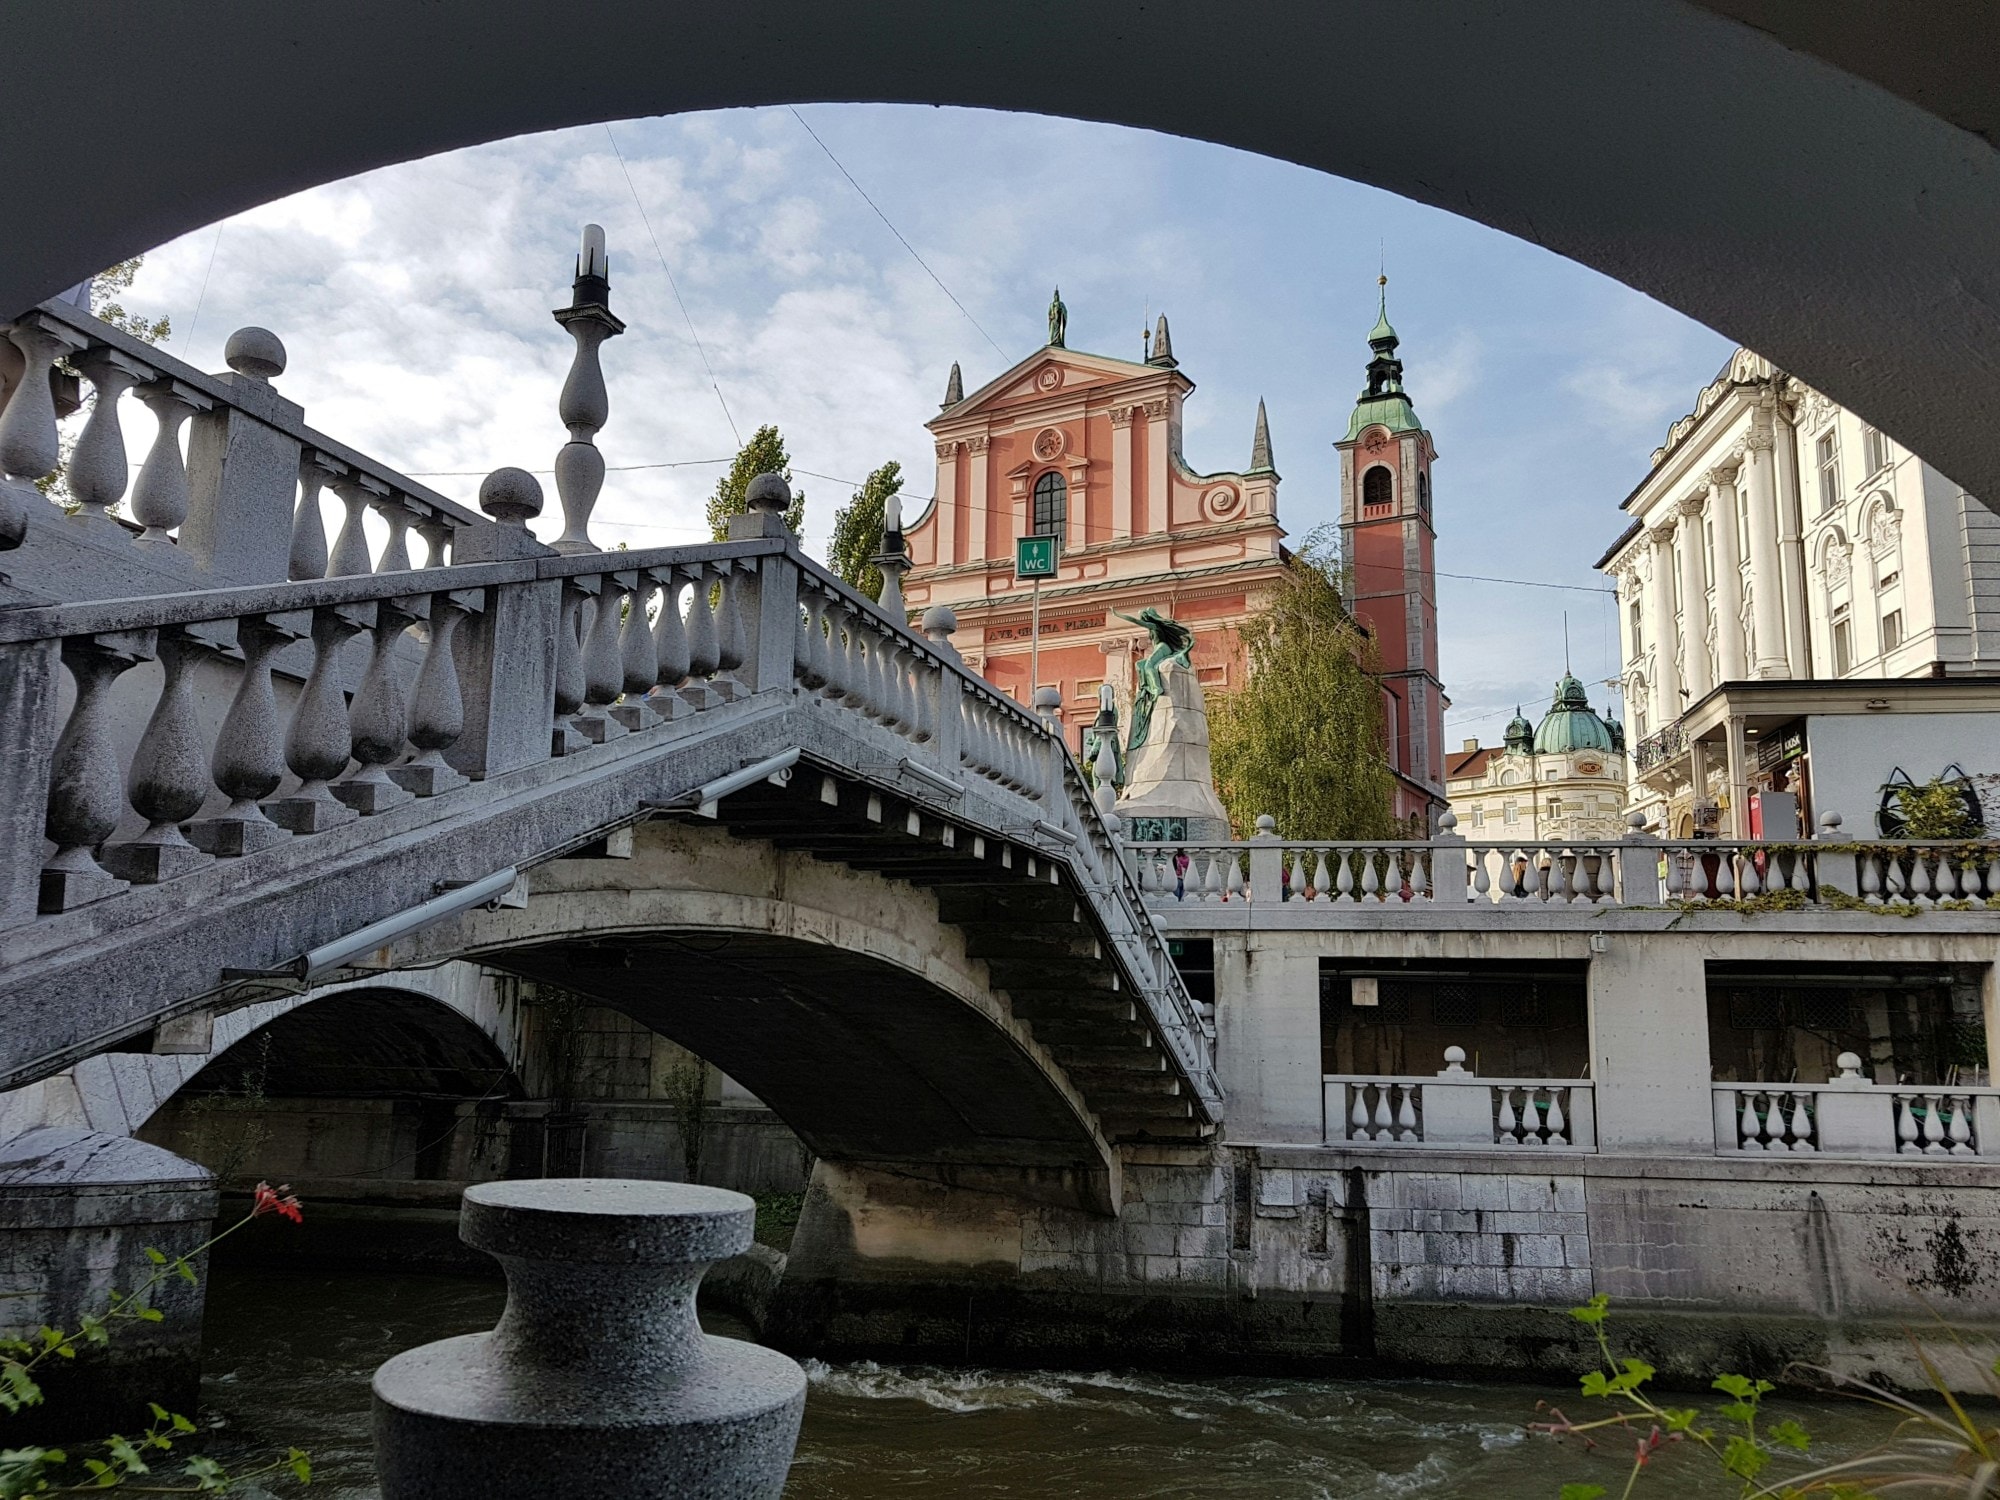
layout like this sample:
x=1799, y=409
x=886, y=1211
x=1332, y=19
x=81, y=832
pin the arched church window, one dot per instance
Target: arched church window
x=1377, y=488
x=1424, y=493
x=1051, y=500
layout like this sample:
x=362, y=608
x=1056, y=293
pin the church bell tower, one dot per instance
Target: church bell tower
x=1389, y=545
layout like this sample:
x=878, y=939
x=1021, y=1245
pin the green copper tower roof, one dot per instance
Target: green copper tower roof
x=1571, y=724
x=1383, y=401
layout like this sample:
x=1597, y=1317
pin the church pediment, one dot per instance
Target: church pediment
x=1052, y=373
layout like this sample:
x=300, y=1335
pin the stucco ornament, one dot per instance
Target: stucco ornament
x=1837, y=566
x=1172, y=641
x=1882, y=532
x=1049, y=444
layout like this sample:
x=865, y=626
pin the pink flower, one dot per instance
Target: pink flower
x=276, y=1200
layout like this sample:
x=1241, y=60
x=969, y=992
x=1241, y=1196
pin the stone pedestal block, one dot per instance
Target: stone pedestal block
x=597, y=1379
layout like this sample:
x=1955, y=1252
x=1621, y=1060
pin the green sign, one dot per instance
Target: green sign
x=1035, y=557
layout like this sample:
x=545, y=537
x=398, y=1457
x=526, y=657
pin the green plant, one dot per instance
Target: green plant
x=763, y=454
x=1946, y=1455
x=857, y=531
x=686, y=1088
x=127, y=1462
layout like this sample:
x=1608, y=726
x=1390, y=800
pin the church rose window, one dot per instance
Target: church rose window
x=1050, y=497
x=1376, y=487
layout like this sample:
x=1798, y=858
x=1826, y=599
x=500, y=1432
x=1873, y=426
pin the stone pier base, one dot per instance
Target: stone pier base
x=78, y=1211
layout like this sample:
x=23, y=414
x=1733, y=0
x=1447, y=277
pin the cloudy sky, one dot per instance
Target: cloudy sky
x=414, y=303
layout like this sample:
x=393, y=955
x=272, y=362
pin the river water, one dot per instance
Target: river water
x=290, y=1354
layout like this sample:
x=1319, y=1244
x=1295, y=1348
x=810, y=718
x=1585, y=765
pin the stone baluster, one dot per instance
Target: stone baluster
x=350, y=547
x=308, y=556
x=1385, y=1116
x=924, y=692
x=585, y=405
x=836, y=657
x=1959, y=1133
x=730, y=642
x=437, y=706
x=1482, y=879
x=1232, y=882
x=1558, y=876
x=1357, y=1115
x=30, y=446
x=670, y=650
x=1802, y=1123
x=603, y=672
x=809, y=650
x=168, y=778
x=85, y=797
x=1907, y=1131
x=396, y=513
x=161, y=497
x=638, y=658
x=1507, y=1124
x=704, y=644
x=435, y=529
x=379, y=720
x=98, y=472
x=1371, y=879
x=248, y=762
x=1555, y=1126
x=1321, y=888
x=569, y=679
x=319, y=741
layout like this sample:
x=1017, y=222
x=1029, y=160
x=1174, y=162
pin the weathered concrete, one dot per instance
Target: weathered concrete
x=78, y=1211
x=597, y=1377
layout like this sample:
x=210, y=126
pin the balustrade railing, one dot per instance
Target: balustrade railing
x=1458, y=1110
x=1851, y=1116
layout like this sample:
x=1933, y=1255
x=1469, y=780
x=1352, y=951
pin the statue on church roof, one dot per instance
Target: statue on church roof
x=1058, y=320
x=1172, y=642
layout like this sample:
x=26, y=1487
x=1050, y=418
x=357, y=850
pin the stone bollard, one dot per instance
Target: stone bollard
x=597, y=1379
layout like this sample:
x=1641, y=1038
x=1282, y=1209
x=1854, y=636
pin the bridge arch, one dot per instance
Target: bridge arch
x=846, y=1001
x=1681, y=146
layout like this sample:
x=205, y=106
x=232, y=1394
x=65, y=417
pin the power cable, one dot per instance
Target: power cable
x=896, y=232
x=673, y=285
x=202, y=295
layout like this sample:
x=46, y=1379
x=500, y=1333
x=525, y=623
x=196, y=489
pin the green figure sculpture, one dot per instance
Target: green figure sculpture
x=1058, y=320
x=1172, y=641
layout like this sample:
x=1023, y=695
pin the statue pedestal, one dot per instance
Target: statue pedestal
x=1170, y=782
x=597, y=1379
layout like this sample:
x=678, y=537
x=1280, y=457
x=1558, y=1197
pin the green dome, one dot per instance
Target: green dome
x=1570, y=723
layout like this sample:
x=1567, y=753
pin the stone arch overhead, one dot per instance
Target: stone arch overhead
x=1662, y=142
x=118, y=1092
x=841, y=998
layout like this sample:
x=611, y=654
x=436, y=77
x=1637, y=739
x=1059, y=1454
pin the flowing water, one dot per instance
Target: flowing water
x=290, y=1354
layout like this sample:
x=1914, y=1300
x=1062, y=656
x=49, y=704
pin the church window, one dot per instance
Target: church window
x=1051, y=500
x=1827, y=455
x=1377, y=488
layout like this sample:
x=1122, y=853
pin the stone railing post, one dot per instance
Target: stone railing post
x=29, y=681
x=1449, y=872
x=598, y=1336
x=1833, y=866
x=1267, y=861
x=243, y=469
x=770, y=620
x=1458, y=1106
x=584, y=406
x=939, y=623
x=1854, y=1118
x=506, y=653
x=1638, y=865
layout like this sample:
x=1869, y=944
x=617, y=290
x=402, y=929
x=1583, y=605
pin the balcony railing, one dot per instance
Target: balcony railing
x=1851, y=1116
x=1659, y=748
x=1458, y=1110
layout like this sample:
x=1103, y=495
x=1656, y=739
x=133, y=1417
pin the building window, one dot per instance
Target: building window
x=1638, y=630
x=1708, y=549
x=1377, y=488
x=1513, y=813
x=1843, y=644
x=1479, y=817
x=1874, y=450
x=1890, y=580
x=1828, y=458
x=1424, y=493
x=1051, y=498
x=1892, y=630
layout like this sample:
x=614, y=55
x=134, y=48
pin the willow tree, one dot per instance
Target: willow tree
x=763, y=454
x=1303, y=739
x=857, y=530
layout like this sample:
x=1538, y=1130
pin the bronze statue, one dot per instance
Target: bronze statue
x=1058, y=320
x=1172, y=641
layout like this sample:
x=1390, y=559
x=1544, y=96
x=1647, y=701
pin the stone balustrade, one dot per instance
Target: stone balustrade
x=1458, y=1110
x=230, y=488
x=1850, y=1115
x=1327, y=878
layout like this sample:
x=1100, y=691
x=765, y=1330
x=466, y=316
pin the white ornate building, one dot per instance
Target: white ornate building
x=1562, y=779
x=1779, y=540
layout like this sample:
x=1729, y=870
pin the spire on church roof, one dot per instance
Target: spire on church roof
x=1163, y=347
x=1260, y=444
x=1383, y=401
x=954, y=389
x=1382, y=333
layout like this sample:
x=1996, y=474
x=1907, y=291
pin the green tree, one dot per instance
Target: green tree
x=857, y=530
x=763, y=454
x=1303, y=739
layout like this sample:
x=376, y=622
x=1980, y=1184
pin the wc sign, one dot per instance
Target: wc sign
x=1035, y=557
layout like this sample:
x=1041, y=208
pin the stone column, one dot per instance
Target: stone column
x=946, y=505
x=1649, y=1045
x=1730, y=648
x=1660, y=595
x=981, y=499
x=1735, y=746
x=1767, y=583
x=597, y=1379
x=1791, y=547
x=1123, y=462
x=1694, y=601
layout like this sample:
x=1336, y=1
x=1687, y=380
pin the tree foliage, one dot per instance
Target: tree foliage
x=763, y=454
x=1303, y=739
x=857, y=530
